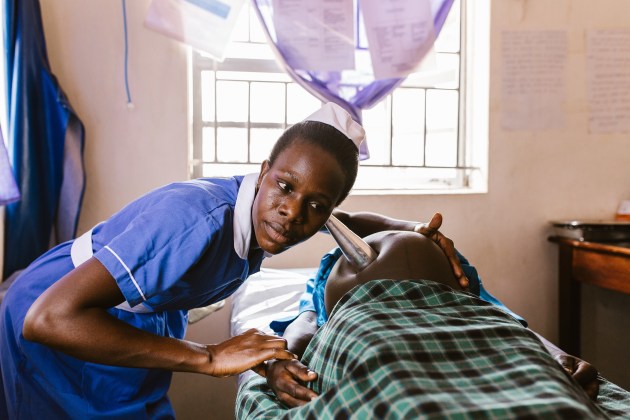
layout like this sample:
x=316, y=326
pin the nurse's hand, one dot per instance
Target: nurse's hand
x=431, y=230
x=245, y=351
x=286, y=378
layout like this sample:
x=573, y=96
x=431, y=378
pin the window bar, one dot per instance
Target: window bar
x=397, y=166
x=249, y=24
x=286, y=105
x=249, y=121
x=215, y=125
x=391, y=130
x=461, y=93
x=197, y=126
x=424, y=139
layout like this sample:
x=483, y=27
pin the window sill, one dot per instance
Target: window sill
x=427, y=191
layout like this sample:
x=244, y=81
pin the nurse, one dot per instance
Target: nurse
x=95, y=327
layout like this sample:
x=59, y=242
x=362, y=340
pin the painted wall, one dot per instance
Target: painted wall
x=534, y=177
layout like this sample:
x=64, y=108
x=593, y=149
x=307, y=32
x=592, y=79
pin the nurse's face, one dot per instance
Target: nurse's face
x=296, y=195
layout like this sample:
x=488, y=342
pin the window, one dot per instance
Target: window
x=417, y=136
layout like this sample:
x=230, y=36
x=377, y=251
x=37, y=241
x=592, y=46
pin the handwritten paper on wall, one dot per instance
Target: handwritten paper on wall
x=533, y=80
x=608, y=67
x=315, y=35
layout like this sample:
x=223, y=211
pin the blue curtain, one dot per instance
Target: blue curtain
x=334, y=86
x=45, y=143
x=8, y=188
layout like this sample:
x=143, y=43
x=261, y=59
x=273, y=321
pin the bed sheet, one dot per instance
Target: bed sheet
x=268, y=295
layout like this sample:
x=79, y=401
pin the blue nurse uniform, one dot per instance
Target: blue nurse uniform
x=182, y=246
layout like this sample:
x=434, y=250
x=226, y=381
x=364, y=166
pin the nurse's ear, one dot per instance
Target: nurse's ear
x=264, y=168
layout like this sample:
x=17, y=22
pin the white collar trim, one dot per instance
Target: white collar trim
x=243, y=215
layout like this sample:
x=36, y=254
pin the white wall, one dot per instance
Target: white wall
x=128, y=151
x=534, y=177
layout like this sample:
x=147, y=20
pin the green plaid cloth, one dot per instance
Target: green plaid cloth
x=409, y=350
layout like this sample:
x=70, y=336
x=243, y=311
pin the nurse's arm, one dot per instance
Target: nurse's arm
x=71, y=317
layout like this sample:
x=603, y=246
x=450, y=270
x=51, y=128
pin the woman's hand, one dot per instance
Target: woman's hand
x=431, y=230
x=286, y=378
x=583, y=372
x=246, y=351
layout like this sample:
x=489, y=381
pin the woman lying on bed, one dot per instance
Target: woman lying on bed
x=404, y=256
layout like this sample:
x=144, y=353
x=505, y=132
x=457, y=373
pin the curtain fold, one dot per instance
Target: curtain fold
x=334, y=85
x=8, y=188
x=45, y=143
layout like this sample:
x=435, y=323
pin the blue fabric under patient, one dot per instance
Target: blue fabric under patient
x=313, y=298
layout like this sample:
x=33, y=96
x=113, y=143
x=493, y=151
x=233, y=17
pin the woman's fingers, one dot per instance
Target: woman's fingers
x=436, y=222
x=585, y=373
x=286, y=378
x=586, y=376
x=269, y=346
x=302, y=372
x=261, y=369
x=299, y=391
x=290, y=401
x=278, y=353
x=431, y=230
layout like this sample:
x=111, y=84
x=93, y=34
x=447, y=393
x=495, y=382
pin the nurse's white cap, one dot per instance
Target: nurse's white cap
x=334, y=115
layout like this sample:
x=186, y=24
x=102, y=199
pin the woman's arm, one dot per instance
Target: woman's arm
x=71, y=317
x=287, y=377
x=300, y=332
x=366, y=223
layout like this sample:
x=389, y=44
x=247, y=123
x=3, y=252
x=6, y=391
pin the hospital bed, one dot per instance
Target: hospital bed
x=274, y=294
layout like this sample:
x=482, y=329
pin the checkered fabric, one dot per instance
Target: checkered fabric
x=411, y=350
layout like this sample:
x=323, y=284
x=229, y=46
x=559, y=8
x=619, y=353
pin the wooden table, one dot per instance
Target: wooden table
x=604, y=265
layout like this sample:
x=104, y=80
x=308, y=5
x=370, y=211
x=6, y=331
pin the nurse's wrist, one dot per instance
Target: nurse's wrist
x=196, y=359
